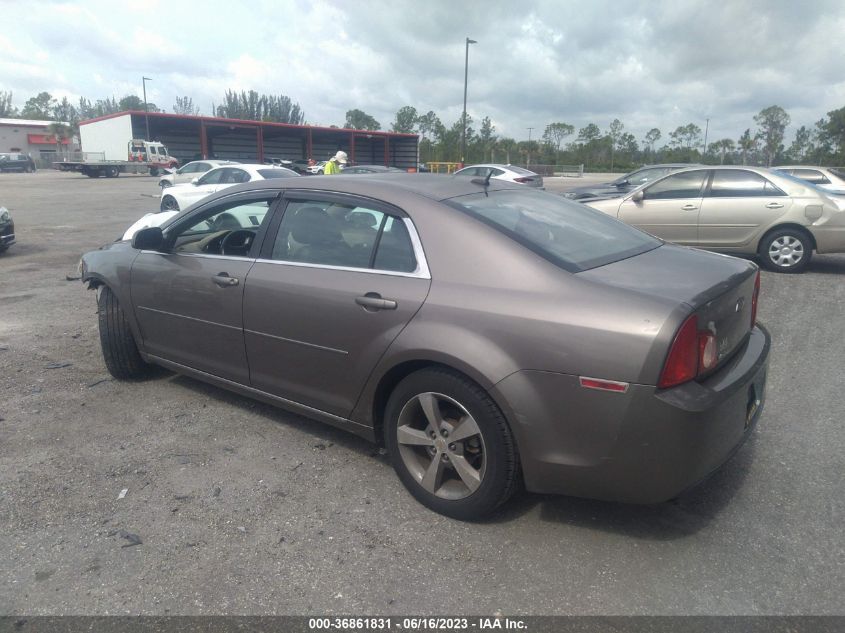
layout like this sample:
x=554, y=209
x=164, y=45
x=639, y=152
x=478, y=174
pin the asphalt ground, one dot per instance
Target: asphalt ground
x=236, y=507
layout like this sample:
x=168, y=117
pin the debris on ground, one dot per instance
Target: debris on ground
x=57, y=365
x=123, y=493
x=98, y=382
x=133, y=539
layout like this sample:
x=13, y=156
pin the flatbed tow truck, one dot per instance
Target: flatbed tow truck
x=142, y=157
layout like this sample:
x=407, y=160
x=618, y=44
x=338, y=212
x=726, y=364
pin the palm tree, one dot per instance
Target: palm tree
x=60, y=132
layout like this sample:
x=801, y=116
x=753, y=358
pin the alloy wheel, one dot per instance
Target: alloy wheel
x=441, y=445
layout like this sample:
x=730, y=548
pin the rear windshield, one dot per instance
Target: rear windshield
x=569, y=234
x=520, y=170
x=275, y=173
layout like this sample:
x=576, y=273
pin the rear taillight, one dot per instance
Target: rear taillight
x=523, y=180
x=754, y=299
x=693, y=352
x=682, y=362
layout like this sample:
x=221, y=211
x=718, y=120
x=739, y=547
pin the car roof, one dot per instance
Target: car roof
x=387, y=185
x=801, y=167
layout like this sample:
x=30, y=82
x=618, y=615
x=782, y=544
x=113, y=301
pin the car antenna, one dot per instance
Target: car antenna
x=485, y=182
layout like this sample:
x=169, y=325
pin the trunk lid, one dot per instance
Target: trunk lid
x=717, y=288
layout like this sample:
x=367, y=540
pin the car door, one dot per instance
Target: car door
x=188, y=299
x=669, y=207
x=206, y=185
x=736, y=205
x=323, y=303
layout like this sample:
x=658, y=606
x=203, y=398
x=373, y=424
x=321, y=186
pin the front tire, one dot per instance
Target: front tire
x=786, y=250
x=120, y=352
x=450, y=444
x=168, y=203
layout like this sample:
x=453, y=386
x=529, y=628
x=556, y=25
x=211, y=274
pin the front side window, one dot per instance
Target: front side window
x=645, y=175
x=233, y=176
x=229, y=229
x=345, y=235
x=738, y=183
x=677, y=186
x=568, y=234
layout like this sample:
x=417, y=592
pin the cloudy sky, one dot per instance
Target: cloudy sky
x=648, y=63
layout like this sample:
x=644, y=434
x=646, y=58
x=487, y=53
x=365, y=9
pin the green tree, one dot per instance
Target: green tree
x=507, y=145
x=801, y=145
x=39, y=107
x=185, y=105
x=614, y=132
x=772, y=122
x=746, y=144
x=60, y=132
x=589, y=133
x=406, y=120
x=721, y=148
x=834, y=130
x=651, y=137
x=485, y=140
x=65, y=111
x=427, y=124
x=360, y=120
x=555, y=133
x=7, y=110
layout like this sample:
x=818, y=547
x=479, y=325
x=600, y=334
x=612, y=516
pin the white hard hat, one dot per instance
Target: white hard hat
x=340, y=157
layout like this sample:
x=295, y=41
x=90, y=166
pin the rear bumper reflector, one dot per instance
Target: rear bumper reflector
x=603, y=385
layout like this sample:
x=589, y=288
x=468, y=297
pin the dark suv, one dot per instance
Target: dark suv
x=16, y=162
x=626, y=183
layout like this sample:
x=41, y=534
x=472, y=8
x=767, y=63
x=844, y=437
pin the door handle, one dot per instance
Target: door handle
x=774, y=205
x=224, y=281
x=372, y=301
x=689, y=207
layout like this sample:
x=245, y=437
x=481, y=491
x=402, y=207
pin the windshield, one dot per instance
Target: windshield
x=267, y=174
x=568, y=234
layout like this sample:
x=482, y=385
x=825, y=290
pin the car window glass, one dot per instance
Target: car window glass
x=569, y=234
x=811, y=175
x=212, y=177
x=738, y=183
x=232, y=176
x=395, y=250
x=644, y=176
x=330, y=234
x=207, y=232
x=682, y=185
x=497, y=172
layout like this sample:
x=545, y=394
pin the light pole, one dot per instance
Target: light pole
x=706, y=129
x=144, y=81
x=528, y=158
x=464, y=120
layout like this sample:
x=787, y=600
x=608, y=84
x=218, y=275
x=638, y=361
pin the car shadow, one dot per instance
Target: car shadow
x=680, y=517
x=685, y=515
x=326, y=432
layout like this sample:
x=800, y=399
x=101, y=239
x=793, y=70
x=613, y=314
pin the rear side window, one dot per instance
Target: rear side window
x=332, y=234
x=683, y=185
x=566, y=233
x=811, y=175
x=212, y=177
x=268, y=174
x=738, y=183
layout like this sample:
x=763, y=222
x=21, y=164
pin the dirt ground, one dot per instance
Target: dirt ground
x=235, y=507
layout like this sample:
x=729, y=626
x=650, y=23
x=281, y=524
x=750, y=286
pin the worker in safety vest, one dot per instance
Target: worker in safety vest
x=333, y=164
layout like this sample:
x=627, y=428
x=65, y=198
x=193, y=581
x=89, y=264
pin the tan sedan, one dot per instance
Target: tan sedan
x=738, y=210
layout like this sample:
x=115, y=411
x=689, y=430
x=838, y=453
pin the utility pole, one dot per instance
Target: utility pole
x=464, y=120
x=528, y=159
x=706, y=129
x=144, y=81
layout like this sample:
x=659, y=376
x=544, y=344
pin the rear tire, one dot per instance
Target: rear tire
x=786, y=250
x=120, y=352
x=112, y=172
x=450, y=444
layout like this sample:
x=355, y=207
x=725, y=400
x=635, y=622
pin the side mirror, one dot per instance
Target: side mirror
x=148, y=239
x=195, y=181
x=638, y=196
x=622, y=183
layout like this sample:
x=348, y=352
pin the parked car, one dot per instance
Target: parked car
x=488, y=335
x=626, y=183
x=191, y=170
x=7, y=229
x=372, y=169
x=316, y=168
x=183, y=195
x=737, y=210
x=827, y=178
x=508, y=173
x=16, y=161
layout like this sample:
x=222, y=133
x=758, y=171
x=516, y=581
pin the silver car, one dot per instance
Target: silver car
x=189, y=171
x=739, y=210
x=826, y=178
x=507, y=173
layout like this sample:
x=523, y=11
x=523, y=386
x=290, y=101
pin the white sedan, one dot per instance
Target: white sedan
x=179, y=197
x=189, y=171
x=509, y=173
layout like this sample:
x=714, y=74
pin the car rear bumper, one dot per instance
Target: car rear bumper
x=643, y=446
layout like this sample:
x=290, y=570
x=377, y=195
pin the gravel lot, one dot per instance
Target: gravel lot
x=235, y=507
